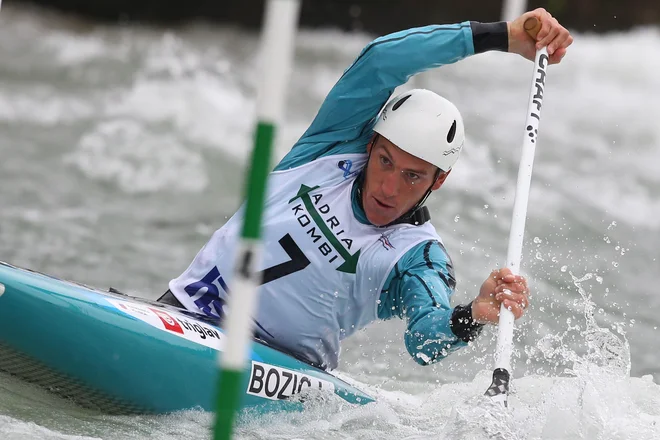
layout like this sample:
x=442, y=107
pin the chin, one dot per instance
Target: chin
x=378, y=216
x=379, y=220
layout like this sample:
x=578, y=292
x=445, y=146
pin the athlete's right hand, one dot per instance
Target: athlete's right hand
x=501, y=286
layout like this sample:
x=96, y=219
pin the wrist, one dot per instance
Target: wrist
x=490, y=36
x=463, y=324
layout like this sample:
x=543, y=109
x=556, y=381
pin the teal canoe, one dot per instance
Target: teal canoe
x=124, y=355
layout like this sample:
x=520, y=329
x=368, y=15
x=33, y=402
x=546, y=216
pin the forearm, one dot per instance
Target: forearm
x=435, y=333
x=419, y=290
x=352, y=105
x=389, y=61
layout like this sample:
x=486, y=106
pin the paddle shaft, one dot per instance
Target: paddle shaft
x=499, y=388
x=277, y=46
x=513, y=8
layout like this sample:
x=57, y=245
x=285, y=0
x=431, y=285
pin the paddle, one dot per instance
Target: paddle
x=499, y=388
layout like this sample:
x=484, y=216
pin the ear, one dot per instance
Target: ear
x=441, y=179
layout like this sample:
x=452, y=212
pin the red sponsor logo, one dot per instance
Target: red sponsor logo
x=169, y=322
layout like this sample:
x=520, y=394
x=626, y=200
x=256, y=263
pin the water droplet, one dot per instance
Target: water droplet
x=615, y=264
x=537, y=240
x=457, y=218
x=564, y=268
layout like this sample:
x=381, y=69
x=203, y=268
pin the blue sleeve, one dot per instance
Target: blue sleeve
x=419, y=289
x=344, y=121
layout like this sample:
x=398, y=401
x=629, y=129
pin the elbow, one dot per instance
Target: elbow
x=420, y=356
x=423, y=359
x=417, y=353
x=425, y=350
x=376, y=56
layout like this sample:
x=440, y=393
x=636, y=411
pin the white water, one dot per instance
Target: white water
x=122, y=151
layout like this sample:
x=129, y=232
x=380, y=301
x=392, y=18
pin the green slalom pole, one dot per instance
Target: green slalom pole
x=277, y=47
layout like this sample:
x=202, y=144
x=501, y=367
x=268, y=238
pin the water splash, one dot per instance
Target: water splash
x=605, y=349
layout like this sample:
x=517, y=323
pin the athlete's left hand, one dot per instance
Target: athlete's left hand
x=501, y=286
x=552, y=34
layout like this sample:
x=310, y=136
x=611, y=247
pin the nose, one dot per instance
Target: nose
x=390, y=184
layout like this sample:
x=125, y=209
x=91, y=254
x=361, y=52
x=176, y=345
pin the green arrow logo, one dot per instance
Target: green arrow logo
x=350, y=261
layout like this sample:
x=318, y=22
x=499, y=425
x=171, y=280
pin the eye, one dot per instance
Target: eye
x=412, y=176
x=385, y=161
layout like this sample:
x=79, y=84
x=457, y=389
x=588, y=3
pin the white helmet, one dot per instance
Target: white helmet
x=425, y=125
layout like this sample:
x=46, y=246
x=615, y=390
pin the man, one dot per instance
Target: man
x=347, y=238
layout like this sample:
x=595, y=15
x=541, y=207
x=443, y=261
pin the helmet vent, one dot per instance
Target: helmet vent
x=400, y=102
x=452, y=133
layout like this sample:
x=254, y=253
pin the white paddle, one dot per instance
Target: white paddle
x=499, y=388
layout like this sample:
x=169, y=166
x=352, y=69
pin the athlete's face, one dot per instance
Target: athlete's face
x=395, y=181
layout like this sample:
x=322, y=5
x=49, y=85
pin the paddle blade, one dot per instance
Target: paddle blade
x=499, y=388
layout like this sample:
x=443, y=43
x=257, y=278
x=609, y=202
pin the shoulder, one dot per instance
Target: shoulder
x=339, y=163
x=424, y=268
x=431, y=256
x=426, y=253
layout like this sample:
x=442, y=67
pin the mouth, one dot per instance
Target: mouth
x=381, y=204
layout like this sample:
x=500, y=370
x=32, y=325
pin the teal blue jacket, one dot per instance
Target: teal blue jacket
x=420, y=286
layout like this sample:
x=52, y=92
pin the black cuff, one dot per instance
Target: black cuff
x=462, y=325
x=490, y=36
